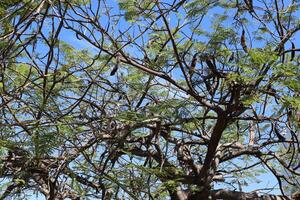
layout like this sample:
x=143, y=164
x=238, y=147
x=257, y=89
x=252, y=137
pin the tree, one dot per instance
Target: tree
x=152, y=99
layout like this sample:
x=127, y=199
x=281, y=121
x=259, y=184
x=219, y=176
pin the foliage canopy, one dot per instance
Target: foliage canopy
x=149, y=99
